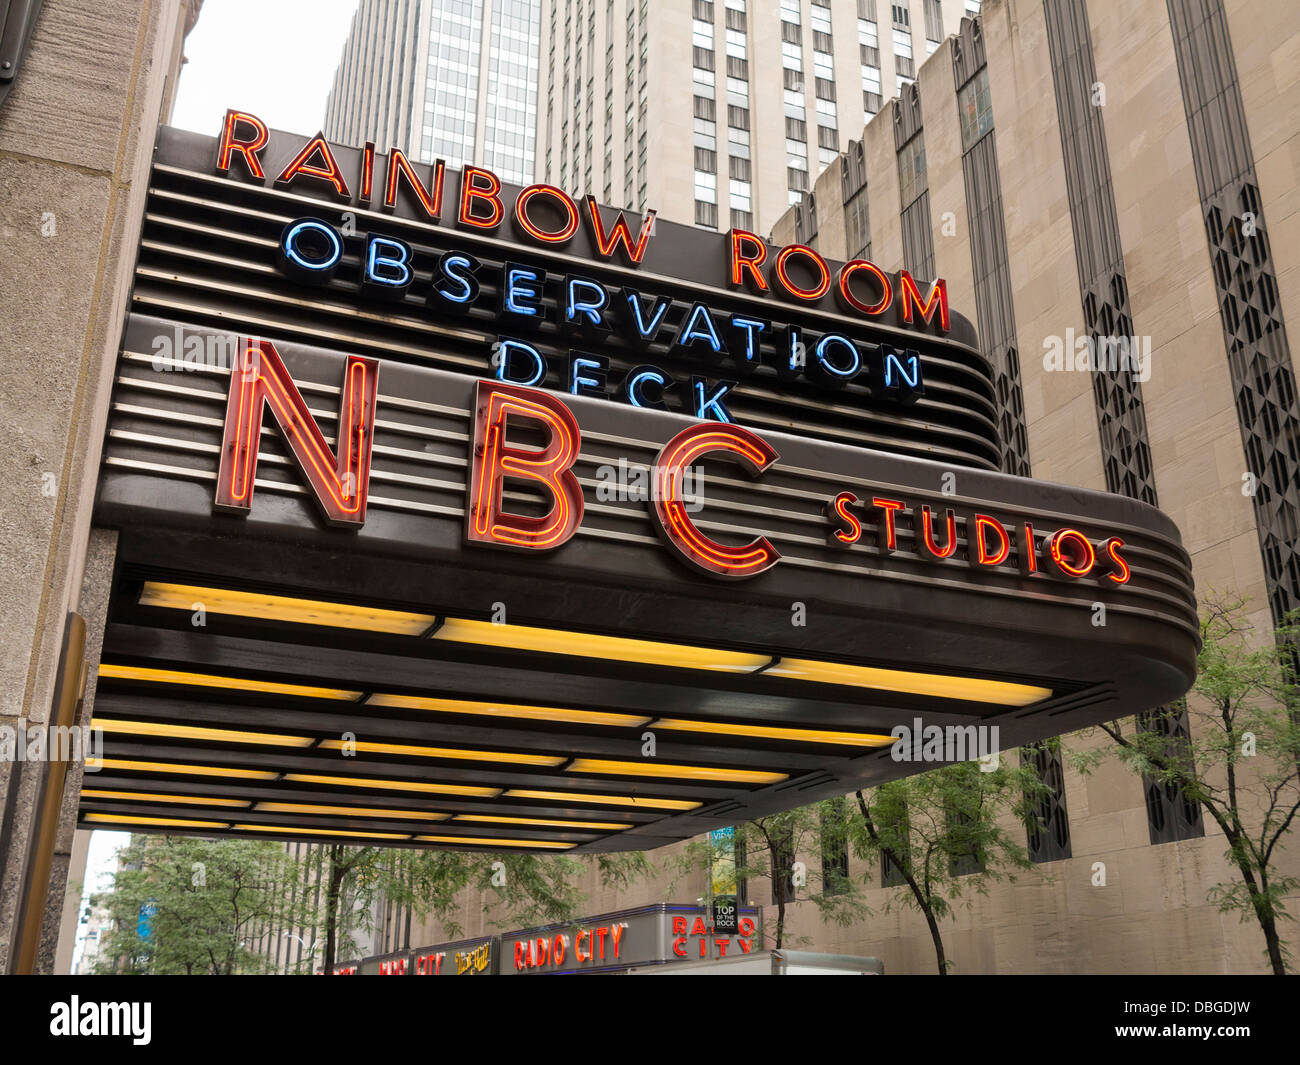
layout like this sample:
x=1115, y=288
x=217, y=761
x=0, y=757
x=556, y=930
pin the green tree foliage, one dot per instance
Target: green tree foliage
x=207, y=897
x=1242, y=764
x=785, y=849
x=530, y=889
x=947, y=834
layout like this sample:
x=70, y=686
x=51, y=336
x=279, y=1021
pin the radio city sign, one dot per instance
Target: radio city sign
x=339, y=479
x=725, y=345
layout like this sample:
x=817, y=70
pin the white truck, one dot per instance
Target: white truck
x=770, y=963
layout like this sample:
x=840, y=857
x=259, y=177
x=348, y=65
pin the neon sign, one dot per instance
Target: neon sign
x=339, y=482
x=311, y=249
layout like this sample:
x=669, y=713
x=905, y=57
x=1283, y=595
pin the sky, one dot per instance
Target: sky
x=274, y=58
x=101, y=863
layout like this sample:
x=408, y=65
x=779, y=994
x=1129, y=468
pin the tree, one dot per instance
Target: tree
x=775, y=848
x=531, y=888
x=1242, y=761
x=942, y=832
x=183, y=905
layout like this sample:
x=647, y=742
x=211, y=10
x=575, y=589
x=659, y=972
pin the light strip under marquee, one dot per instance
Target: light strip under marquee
x=564, y=642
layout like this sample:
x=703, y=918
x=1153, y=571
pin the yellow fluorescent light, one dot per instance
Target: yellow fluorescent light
x=531, y=713
x=288, y=830
x=770, y=732
x=194, y=732
x=394, y=785
x=173, y=822
x=473, y=841
x=441, y=752
x=972, y=689
x=603, y=800
x=145, y=796
x=189, y=597
x=348, y=811
x=588, y=645
x=614, y=825
x=189, y=770
x=664, y=769
x=208, y=680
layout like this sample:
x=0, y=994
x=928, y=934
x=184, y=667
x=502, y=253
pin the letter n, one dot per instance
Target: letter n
x=493, y=461
x=339, y=480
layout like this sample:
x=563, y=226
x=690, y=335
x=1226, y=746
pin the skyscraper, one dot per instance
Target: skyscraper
x=624, y=80
x=443, y=79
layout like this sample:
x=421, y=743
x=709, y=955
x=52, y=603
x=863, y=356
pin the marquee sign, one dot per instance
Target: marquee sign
x=586, y=310
x=444, y=599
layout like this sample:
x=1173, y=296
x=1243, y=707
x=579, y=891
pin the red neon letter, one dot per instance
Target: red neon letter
x=983, y=522
x=248, y=149
x=492, y=460
x=471, y=190
x=787, y=283
x=1029, y=559
x=927, y=533
x=852, y=531
x=367, y=172
x=340, y=482
x=852, y=301
x=746, y=267
x=620, y=234
x=891, y=534
x=1121, y=573
x=400, y=166
x=1084, y=556
x=911, y=296
x=678, y=454
x=328, y=170
x=559, y=236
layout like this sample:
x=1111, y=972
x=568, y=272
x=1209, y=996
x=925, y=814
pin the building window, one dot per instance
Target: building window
x=857, y=226
x=1171, y=816
x=791, y=57
x=911, y=170
x=704, y=108
x=742, y=220
x=933, y=21
x=963, y=857
x=782, y=851
x=706, y=187
x=738, y=143
x=740, y=169
x=706, y=214
x=828, y=138
x=1049, y=829
x=706, y=160
x=835, y=843
x=975, y=109
x=701, y=34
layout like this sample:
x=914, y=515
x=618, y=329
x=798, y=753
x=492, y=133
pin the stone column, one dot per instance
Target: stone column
x=76, y=136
